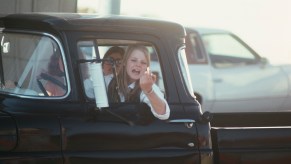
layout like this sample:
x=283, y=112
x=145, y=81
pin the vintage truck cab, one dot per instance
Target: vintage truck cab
x=74, y=122
x=71, y=125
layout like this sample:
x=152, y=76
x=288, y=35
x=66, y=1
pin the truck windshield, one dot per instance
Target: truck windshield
x=185, y=70
x=31, y=65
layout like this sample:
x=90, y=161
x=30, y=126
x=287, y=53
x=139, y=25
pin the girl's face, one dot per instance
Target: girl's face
x=136, y=65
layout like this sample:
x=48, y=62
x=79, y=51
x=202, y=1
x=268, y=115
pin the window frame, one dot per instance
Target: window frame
x=63, y=56
x=148, y=42
x=185, y=72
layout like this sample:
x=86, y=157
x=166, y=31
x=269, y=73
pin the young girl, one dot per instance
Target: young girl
x=137, y=84
x=116, y=54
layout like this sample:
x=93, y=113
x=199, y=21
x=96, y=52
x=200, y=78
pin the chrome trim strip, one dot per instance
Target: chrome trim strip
x=182, y=121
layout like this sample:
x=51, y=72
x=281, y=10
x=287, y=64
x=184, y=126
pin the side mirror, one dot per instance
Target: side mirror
x=98, y=85
x=206, y=117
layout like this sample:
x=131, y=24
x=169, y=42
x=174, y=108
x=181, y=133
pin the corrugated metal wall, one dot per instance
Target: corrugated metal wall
x=20, y=6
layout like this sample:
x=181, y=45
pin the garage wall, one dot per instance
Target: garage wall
x=20, y=6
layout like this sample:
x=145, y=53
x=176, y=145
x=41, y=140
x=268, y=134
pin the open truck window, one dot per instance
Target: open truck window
x=96, y=49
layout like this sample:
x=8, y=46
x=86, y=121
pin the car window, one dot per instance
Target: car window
x=227, y=51
x=32, y=65
x=193, y=50
x=92, y=49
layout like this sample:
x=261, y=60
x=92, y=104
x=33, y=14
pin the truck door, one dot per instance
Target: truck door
x=30, y=129
x=124, y=135
x=126, y=132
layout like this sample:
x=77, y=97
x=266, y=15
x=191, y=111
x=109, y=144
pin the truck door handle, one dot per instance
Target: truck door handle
x=188, y=122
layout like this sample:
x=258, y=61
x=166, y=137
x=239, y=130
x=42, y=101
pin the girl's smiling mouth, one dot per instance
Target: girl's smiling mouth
x=134, y=71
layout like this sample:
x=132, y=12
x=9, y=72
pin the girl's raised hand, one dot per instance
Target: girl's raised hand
x=147, y=80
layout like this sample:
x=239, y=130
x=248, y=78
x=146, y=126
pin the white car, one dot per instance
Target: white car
x=228, y=76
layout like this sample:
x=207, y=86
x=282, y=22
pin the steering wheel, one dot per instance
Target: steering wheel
x=48, y=78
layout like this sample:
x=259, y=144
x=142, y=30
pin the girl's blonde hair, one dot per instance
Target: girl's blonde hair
x=123, y=78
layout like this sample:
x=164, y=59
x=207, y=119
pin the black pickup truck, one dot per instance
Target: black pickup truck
x=74, y=127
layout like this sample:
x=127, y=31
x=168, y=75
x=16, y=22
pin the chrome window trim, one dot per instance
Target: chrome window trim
x=185, y=75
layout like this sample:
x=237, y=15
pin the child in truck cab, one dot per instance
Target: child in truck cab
x=137, y=84
x=115, y=54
